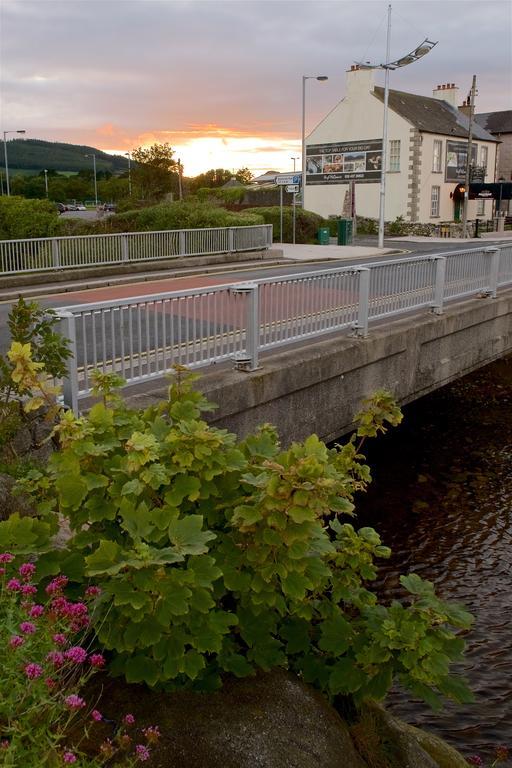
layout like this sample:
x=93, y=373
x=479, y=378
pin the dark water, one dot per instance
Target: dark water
x=442, y=500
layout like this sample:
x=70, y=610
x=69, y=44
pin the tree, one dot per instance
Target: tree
x=244, y=176
x=155, y=171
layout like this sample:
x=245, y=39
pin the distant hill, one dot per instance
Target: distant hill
x=36, y=155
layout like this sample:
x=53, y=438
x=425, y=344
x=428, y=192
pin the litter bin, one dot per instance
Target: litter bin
x=323, y=236
x=344, y=231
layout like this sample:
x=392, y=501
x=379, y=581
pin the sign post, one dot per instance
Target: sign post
x=288, y=180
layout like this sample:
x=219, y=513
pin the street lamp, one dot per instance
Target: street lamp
x=5, y=155
x=95, y=181
x=127, y=154
x=46, y=181
x=294, y=159
x=322, y=79
x=422, y=49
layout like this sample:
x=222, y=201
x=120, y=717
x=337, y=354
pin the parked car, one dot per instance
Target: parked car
x=81, y=207
x=71, y=207
x=109, y=207
x=61, y=207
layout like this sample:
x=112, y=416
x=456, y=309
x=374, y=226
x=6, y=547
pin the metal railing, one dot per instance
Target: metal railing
x=56, y=253
x=141, y=338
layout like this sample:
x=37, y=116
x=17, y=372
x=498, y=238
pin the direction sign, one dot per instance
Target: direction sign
x=293, y=188
x=288, y=178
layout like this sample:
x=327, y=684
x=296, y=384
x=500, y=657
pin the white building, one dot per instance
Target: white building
x=426, y=161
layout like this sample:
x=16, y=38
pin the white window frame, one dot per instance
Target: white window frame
x=437, y=166
x=394, y=156
x=480, y=207
x=435, y=202
x=484, y=157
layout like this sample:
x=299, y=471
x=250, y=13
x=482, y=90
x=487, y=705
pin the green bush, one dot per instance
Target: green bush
x=227, y=196
x=307, y=223
x=221, y=557
x=21, y=218
x=181, y=215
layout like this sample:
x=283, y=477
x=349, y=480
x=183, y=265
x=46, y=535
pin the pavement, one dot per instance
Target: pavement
x=323, y=252
x=494, y=236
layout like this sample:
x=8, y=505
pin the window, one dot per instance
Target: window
x=434, y=201
x=436, y=156
x=484, y=154
x=480, y=208
x=394, y=156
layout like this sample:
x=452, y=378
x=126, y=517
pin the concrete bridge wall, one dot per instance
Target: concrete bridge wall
x=318, y=387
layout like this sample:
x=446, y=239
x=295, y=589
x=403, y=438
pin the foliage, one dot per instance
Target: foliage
x=45, y=663
x=155, y=171
x=20, y=218
x=397, y=227
x=229, y=195
x=501, y=755
x=181, y=215
x=218, y=557
x=36, y=154
x=307, y=223
x=216, y=177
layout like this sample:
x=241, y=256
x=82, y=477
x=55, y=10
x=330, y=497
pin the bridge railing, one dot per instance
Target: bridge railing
x=141, y=338
x=57, y=253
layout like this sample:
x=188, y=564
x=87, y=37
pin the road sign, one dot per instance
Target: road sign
x=293, y=188
x=283, y=179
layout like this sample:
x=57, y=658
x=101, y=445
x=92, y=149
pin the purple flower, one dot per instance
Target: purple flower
x=68, y=757
x=33, y=670
x=56, y=658
x=27, y=570
x=152, y=733
x=475, y=760
x=28, y=589
x=56, y=584
x=59, y=639
x=97, y=716
x=128, y=719
x=6, y=557
x=97, y=660
x=74, y=702
x=142, y=753
x=14, y=585
x=36, y=611
x=76, y=654
x=16, y=641
x=2, y=571
x=28, y=627
x=92, y=591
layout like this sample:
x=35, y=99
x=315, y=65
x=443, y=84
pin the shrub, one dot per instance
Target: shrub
x=215, y=556
x=181, y=215
x=21, y=218
x=307, y=223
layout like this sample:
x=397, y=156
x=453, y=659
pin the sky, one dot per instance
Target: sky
x=221, y=80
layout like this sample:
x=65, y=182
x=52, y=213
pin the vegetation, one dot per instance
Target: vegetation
x=20, y=218
x=307, y=223
x=155, y=172
x=181, y=215
x=36, y=155
x=217, y=177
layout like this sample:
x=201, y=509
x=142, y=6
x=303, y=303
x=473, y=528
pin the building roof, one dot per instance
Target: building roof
x=432, y=115
x=233, y=182
x=496, y=122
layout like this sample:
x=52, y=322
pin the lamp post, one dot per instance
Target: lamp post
x=46, y=181
x=294, y=159
x=128, y=155
x=322, y=79
x=294, y=200
x=95, y=181
x=422, y=49
x=6, y=163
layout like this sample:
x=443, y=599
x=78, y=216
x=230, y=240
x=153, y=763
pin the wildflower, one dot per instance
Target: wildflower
x=6, y=557
x=92, y=591
x=125, y=741
x=28, y=589
x=2, y=571
x=26, y=570
x=501, y=754
x=97, y=660
x=14, y=585
x=4, y=744
x=107, y=748
x=28, y=627
x=152, y=734
x=475, y=760
x=36, y=611
x=97, y=716
x=56, y=585
x=33, y=671
x=142, y=753
x=16, y=641
x=74, y=702
x=59, y=639
x=68, y=757
x=128, y=719
x=50, y=683
x=56, y=658
x=76, y=654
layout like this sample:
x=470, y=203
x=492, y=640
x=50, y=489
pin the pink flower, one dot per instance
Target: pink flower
x=33, y=670
x=56, y=658
x=142, y=753
x=2, y=571
x=28, y=627
x=56, y=584
x=77, y=609
x=14, y=585
x=27, y=570
x=74, y=702
x=152, y=734
x=76, y=654
x=59, y=639
x=6, y=557
x=128, y=719
x=97, y=660
x=68, y=757
x=28, y=589
x=50, y=683
x=4, y=744
x=475, y=760
x=16, y=641
x=97, y=716
x=36, y=611
x=107, y=748
x=92, y=591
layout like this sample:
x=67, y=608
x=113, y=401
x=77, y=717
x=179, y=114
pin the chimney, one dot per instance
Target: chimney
x=465, y=107
x=447, y=92
x=358, y=82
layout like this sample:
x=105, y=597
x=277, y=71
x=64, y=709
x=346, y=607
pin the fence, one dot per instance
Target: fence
x=52, y=253
x=141, y=338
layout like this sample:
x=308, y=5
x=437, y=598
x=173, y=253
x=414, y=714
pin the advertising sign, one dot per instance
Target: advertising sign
x=343, y=162
x=456, y=158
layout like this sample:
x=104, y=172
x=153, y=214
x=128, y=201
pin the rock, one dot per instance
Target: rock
x=9, y=502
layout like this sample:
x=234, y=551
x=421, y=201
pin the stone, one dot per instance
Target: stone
x=10, y=502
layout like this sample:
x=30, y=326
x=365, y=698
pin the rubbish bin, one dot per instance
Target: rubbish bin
x=323, y=235
x=344, y=231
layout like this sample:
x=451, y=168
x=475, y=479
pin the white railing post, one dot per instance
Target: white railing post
x=231, y=240
x=55, y=254
x=494, y=269
x=125, y=255
x=270, y=236
x=249, y=361
x=439, y=282
x=70, y=385
x=182, y=243
x=361, y=328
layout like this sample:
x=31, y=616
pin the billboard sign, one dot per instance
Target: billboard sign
x=343, y=162
x=456, y=159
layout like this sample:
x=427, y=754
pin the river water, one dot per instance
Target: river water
x=441, y=498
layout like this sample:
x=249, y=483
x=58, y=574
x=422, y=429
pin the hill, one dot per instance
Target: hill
x=36, y=155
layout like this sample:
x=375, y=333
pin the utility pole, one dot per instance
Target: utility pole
x=468, y=159
x=180, y=186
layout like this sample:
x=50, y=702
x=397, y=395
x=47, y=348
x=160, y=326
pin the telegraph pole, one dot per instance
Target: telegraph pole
x=468, y=159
